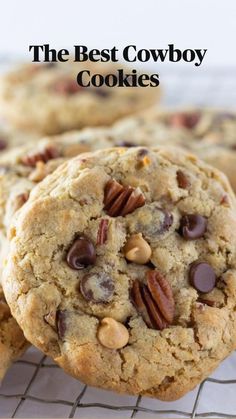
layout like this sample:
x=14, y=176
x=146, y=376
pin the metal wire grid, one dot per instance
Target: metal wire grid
x=211, y=88
x=127, y=407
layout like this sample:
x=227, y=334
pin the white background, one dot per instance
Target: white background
x=207, y=24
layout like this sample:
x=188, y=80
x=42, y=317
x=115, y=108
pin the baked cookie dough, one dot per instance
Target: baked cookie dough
x=122, y=268
x=211, y=134
x=10, y=138
x=21, y=168
x=12, y=341
x=46, y=98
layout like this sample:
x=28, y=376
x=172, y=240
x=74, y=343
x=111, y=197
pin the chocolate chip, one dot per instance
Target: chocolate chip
x=182, y=180
x=192, y=226
x=3, y=144
x=61, y=323
x=97, y=288
x=154, y=222
x=81, y=254
x=202, y=277
x=126, y=144
x=142, y=152
x=101, y=92
x=167, y=223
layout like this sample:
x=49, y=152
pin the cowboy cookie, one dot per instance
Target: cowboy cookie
x=46, y=98
x=122, y=269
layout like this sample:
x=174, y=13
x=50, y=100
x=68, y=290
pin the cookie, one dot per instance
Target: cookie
x=12, y=341
x=122, y=269
x=47, y=99
x=221, y=156
x=211, y=134
x=10, y=138
x=215, y=125
x=21, y=168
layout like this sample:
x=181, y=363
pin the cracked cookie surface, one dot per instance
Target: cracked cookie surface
x=122, y=268
x=46, y=98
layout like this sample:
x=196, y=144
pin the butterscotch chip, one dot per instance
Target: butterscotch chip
x=112, y=334
x=137, y=249
x=76, y=250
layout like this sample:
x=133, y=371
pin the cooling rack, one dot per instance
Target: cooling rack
x=36, y=387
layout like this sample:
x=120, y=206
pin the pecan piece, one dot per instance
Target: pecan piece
x=102, y=231
x=66, y=86
x=154, y=301
x=139, y=303
x=61, y=323
x=206, y=302
x=49, y=153
x=185, y=119
x=182, y=180
x=162, y=294
x=121, y=200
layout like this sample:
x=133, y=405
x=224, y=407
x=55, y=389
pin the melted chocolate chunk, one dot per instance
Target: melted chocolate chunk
x=192, y=226
x=97, y=288
x=158, y=222
x=81, y=254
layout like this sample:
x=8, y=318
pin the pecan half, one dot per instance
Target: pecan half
x=185, y=119
x=121, y=200
x=49, y=153
x=154, y=301
x=206, y=302
x=102, y=231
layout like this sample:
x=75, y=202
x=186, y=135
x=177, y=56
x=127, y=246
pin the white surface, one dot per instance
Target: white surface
x=50, y=383
x=149, y=24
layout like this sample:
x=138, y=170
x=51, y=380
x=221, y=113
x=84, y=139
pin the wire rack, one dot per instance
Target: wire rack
x=36, y=387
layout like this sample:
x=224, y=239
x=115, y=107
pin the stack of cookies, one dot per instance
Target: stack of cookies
x=117, y=242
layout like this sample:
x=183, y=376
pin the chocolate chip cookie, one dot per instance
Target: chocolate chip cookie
x=46, y=98
x=12, y=341
x=122, y=268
